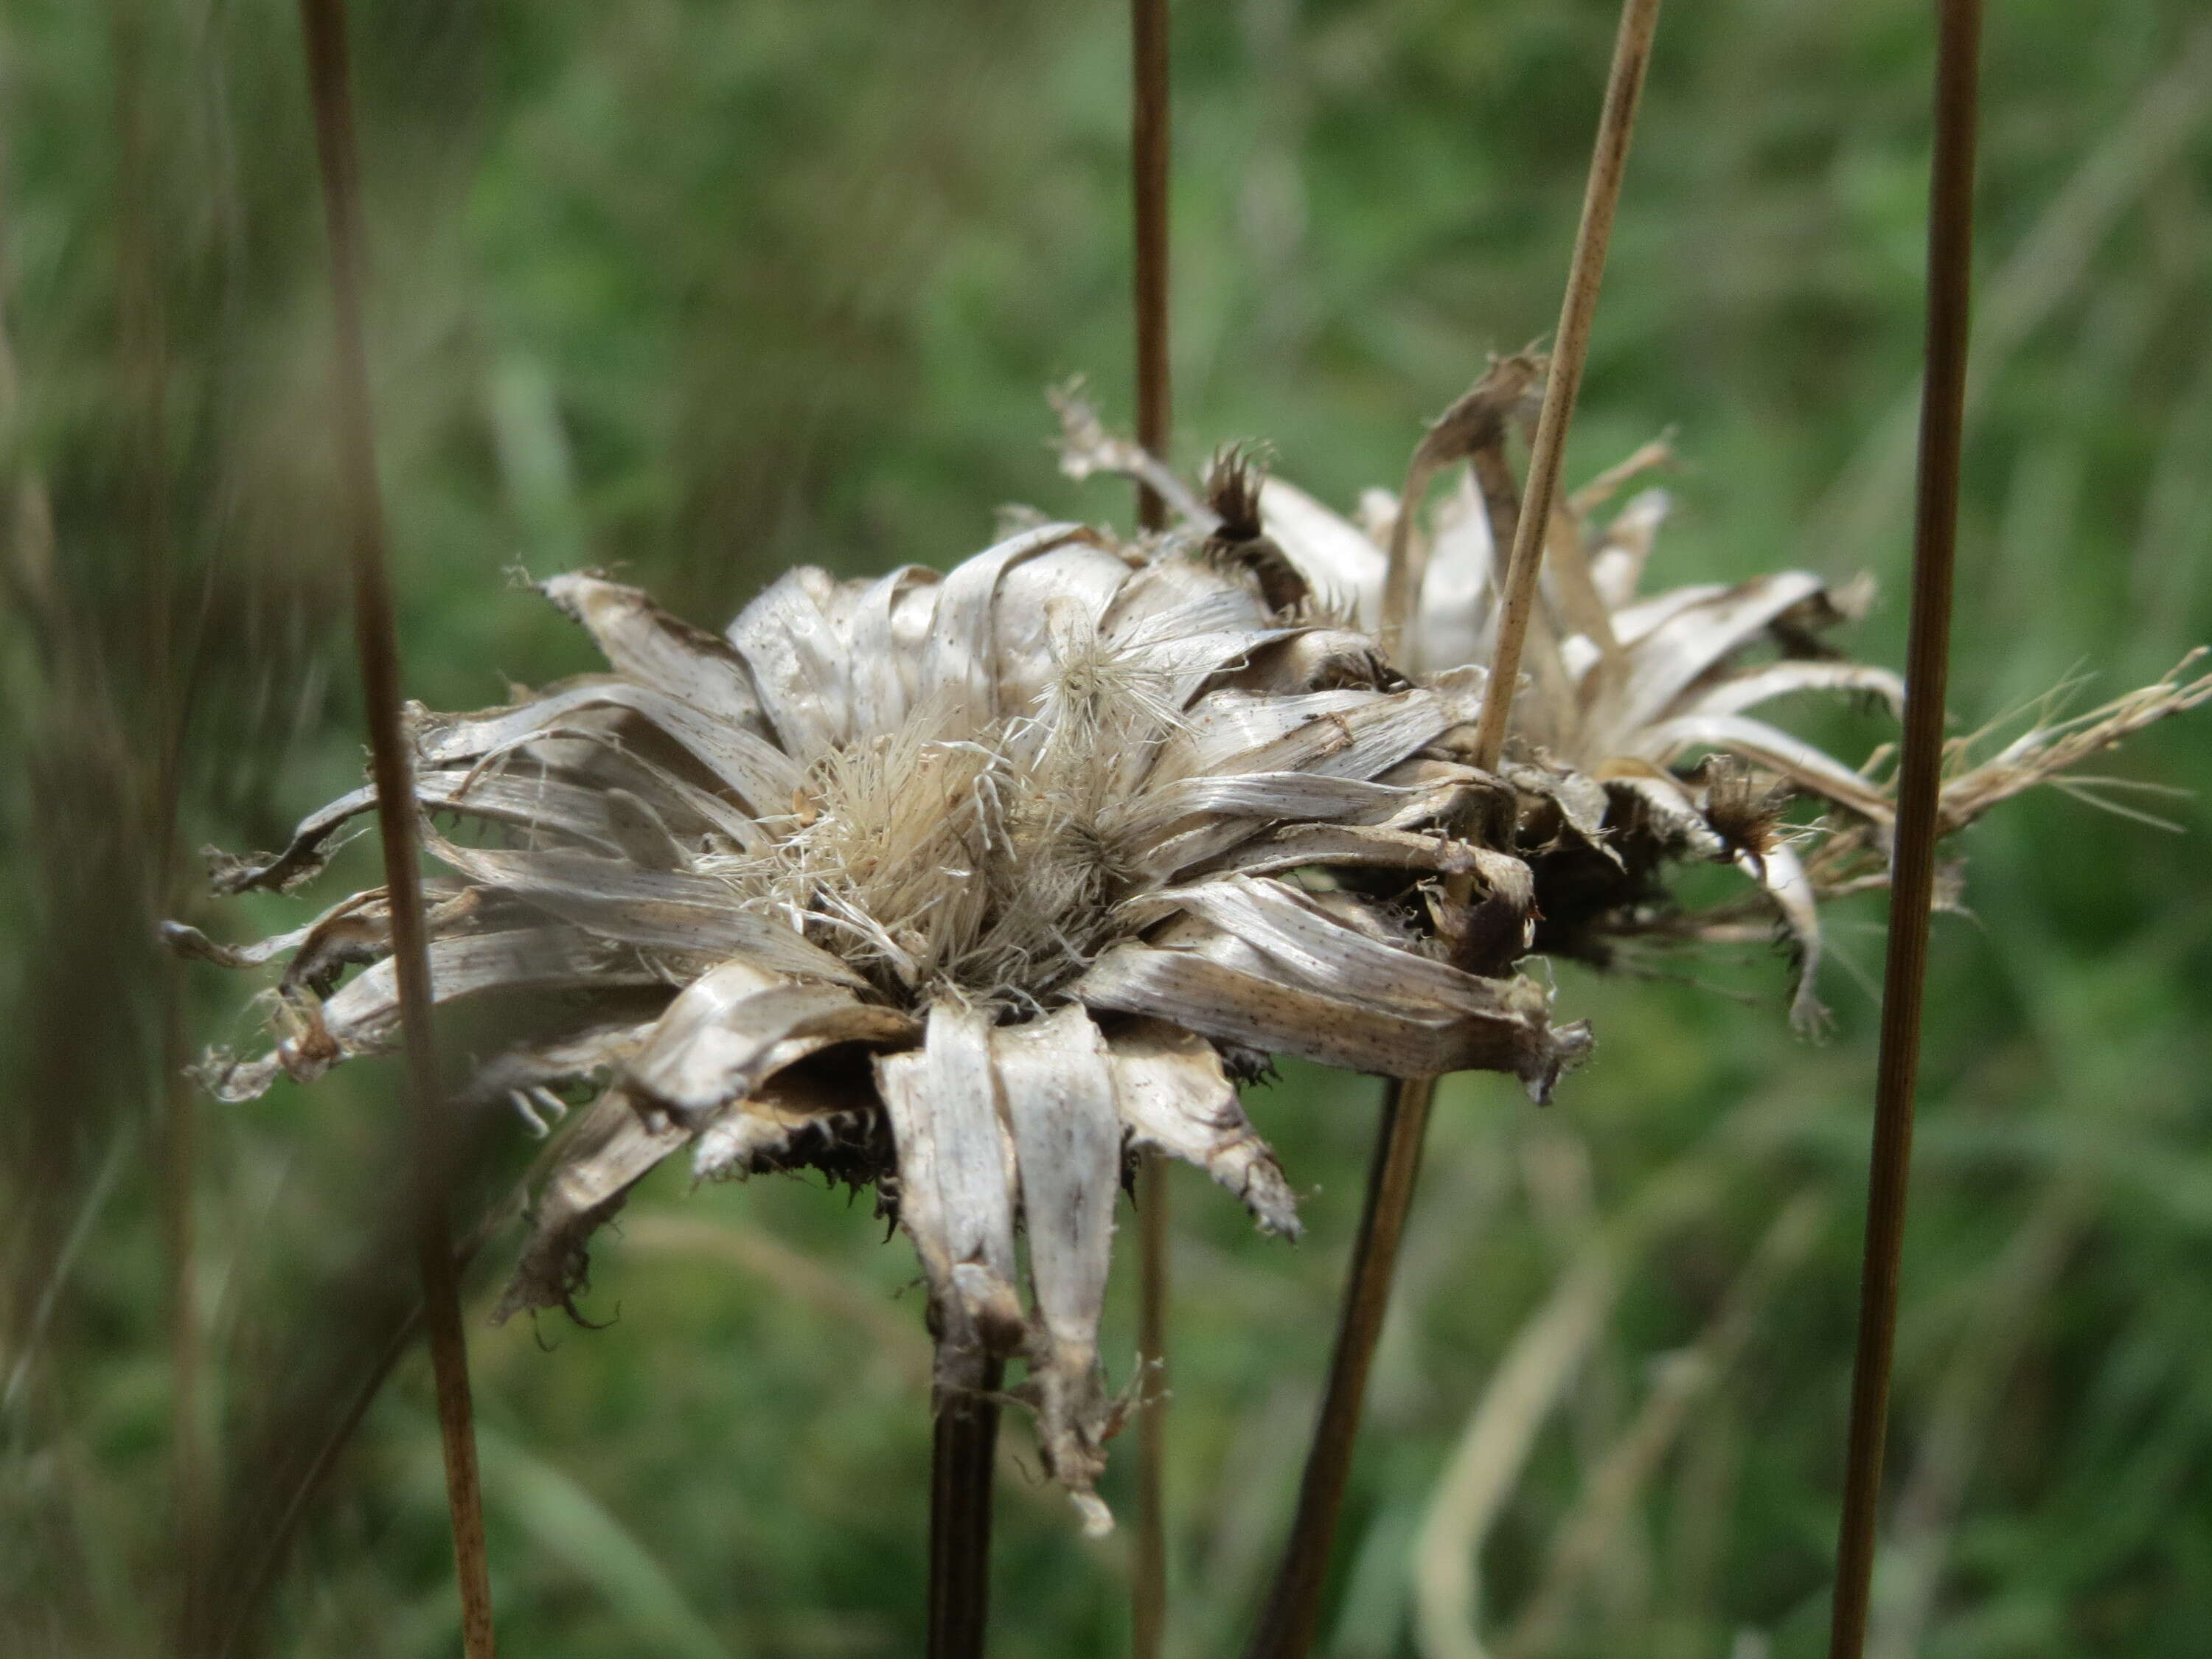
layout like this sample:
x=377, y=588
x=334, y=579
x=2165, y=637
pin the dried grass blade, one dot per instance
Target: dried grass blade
x=144, y=366
x=324, y=23
x=1912, y=879
x=273, y=1537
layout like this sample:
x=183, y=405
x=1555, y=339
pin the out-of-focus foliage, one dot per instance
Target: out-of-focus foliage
x=699, y=289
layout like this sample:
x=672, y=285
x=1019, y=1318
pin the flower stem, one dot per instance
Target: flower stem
x=1293, y=1606
x=1148, y=1589
x=375, y=635
x=1912, y=875
x=963, y=1455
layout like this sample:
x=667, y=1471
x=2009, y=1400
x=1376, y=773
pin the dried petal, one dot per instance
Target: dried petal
x=608, y=1153
x=1174, y=1098
x=649, y=646
x=954, y=1198
x=1505, y=1027
x=1345, y=569
x=798, y=662
x=1059, y=1099
x=1774, y=748
x=735, y=1026
x=1781, y=873
x=1731, y=693
x=763, y=776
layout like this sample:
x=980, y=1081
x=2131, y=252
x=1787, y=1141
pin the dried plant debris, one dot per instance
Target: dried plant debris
x=965, y=886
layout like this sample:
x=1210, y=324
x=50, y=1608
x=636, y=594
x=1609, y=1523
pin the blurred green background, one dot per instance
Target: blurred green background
x=700, y=289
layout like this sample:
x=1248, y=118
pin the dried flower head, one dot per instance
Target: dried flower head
x=967, y=887
x=1625, y=692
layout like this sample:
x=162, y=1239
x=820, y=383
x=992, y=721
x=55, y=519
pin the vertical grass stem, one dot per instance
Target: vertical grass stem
x=1631, y=52
x=1149, y=131
x=962, y=1461
x=328, y=77
x=1912, y=871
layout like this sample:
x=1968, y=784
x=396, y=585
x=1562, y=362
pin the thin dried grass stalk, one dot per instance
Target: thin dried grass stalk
x=324, y=26
x=1919, y=823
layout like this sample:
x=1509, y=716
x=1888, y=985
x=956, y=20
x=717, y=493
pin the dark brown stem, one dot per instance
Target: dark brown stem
x=1286, y=1625
x=1913, y=873
x=1148, y=164
x=375, y=634
x=1286, y=1622
x=1148, y=161
x=1148, y=1586
x=962, y=1459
